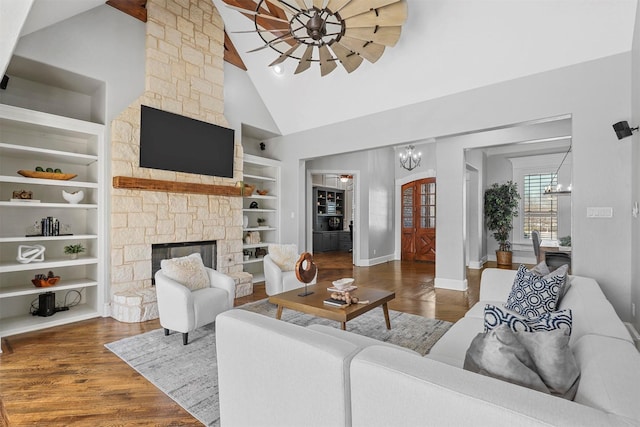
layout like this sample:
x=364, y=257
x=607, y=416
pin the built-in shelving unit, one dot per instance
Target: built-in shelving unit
x=29, y=139
x=264, y=174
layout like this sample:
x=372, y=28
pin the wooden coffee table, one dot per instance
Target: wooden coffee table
x=314, y=304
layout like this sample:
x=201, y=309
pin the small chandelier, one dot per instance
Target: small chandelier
x=558, y=189
x=410, y=159
x=327, y=32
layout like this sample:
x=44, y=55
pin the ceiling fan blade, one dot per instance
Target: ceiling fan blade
x=305, y=62
x=356, y=8
x=277, y=40
x=327, y=64
x=387, y=36
x=253, y=12
x=369, y=51
x=349, y=60
x=336, y=5
x=288, y=9
x=318, y=3
x=273, y=30
x=285, y=55
x=388, y=16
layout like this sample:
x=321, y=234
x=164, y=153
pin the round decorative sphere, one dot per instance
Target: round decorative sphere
x=73, y=198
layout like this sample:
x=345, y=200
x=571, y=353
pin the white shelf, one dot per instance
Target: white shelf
x=259, y=210
x=30, y=289
x=35, y=153
x=49, y=205
x=51, y=182
x=47, y=238
x=28, y=322
x=264, y=174
x=256, y=245
x=33, y=138
x=6, y=267
x=258, y=177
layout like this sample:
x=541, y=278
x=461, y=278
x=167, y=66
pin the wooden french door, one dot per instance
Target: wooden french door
x=419, y=220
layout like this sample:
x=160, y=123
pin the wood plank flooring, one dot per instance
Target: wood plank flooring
x=64, y=376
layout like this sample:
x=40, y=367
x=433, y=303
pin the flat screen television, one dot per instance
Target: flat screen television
x=177, y=143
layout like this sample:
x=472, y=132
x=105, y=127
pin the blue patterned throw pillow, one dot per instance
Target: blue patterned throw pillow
x=495, y=316
x=533, y=295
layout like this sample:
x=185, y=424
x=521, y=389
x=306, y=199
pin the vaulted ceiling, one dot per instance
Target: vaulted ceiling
x=446, y=46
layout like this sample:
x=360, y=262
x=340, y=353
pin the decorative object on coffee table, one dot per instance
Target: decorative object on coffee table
x=306, y=271
x=30, y=253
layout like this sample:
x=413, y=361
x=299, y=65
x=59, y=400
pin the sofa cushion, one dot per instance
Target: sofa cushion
x=188, y=271
x=495, y=316
x=592, y=313
x=452, y=346
x=541, y=361
x=533, y=295
x=285, y=256
x=610, y=374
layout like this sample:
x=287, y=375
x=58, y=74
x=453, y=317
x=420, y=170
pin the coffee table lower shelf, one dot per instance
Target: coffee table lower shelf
x=314, y=305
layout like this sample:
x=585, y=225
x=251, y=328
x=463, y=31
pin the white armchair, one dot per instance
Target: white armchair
x=277, y=281
x=183, y=310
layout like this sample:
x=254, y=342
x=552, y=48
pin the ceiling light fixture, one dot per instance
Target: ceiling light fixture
x=327, y=31
x=550, y=189
x=410, y=159
x=345, y=178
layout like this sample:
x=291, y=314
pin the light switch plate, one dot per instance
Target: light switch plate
x=599, y=212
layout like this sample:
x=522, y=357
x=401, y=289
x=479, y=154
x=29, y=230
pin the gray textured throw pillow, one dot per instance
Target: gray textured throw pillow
x=554, y=360
x=542, y=360
x=499, y=354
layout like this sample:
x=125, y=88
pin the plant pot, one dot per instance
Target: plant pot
x=73, y=256
x=504, y=258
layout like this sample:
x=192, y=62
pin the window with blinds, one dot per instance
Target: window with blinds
x=540, y=211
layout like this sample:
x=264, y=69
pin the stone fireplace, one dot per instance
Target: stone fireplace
x=184, y=75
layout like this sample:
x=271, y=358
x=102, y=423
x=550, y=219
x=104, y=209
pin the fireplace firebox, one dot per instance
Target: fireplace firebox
x=160, y=251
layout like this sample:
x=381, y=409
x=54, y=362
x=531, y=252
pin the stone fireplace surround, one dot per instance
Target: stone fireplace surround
x=184, y=75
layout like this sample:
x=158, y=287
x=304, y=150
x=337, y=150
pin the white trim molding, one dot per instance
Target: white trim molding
x=453, y=284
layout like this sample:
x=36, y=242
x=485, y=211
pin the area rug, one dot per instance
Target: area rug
x=188, y=374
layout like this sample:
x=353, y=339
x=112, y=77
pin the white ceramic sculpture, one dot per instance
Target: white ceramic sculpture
x=74, y=197
x=30, y=253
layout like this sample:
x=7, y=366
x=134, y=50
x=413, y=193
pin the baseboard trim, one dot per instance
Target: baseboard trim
x=375, y=261
x=477, y=265
x=453, y=284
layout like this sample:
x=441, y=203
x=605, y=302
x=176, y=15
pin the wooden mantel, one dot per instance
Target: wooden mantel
x=131, y=183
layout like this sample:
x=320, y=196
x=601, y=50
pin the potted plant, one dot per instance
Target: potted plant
x=500, y=207
x=74, y=250
x=262, y=222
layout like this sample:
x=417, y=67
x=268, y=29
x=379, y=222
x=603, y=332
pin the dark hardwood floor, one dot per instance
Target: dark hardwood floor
x=64, y=376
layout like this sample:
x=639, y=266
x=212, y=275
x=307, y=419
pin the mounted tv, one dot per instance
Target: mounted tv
x=177, y=143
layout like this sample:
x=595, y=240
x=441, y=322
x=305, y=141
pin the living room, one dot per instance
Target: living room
x=589, y=77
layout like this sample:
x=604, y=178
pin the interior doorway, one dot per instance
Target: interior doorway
x=418, y=218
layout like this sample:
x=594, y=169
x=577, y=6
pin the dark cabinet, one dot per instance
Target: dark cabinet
x=328, y=212
x=325, y=241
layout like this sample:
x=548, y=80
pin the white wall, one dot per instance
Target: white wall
x=634, y=142
x=102, y=43
x=595, y=93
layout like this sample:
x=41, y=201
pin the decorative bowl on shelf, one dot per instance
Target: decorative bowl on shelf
x=47, y=175
x=263, y=192
x=343, y=283
x=74, y=197
x=248, y=189
x=45, y=283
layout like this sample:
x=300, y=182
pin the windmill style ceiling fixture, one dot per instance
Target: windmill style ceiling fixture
x=326, y=31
